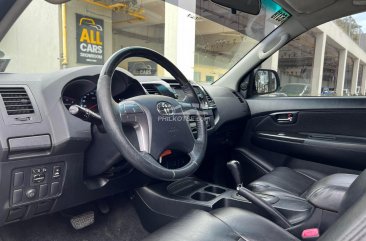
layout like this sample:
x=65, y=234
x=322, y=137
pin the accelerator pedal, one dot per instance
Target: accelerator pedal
x=83, y=220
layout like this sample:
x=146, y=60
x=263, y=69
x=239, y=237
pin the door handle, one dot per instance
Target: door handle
x=285, y=117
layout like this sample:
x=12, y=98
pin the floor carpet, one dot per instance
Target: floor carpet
x=121, y=223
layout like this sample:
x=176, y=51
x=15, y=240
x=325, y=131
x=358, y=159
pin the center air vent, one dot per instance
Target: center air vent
x=16, y=101
x=151, y=89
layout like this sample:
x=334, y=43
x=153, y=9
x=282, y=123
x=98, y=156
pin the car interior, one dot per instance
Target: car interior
x=101, y=152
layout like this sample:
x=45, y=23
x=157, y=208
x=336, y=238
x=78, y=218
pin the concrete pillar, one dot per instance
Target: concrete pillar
x=363, y=82
x=180, y=26
x=341, y=71
x=356, y=68
x=318, y=65
x=271, y=62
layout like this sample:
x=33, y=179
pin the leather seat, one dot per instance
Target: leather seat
x=283, y=180
x=236, y=224
x=325, y=193
x=328, y=193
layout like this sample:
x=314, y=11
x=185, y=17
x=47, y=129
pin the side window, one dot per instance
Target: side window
x=328, y=60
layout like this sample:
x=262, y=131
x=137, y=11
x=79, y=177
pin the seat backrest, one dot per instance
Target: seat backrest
x=352, y=223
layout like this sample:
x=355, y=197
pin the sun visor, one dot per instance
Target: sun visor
x=308, y=6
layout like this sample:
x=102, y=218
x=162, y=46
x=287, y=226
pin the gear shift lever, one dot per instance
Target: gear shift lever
x=236, y=171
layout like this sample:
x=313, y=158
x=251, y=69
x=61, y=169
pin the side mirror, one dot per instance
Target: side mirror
x=266, y=81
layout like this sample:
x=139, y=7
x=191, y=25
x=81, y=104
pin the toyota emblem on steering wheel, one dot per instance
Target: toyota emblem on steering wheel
x=165, y=108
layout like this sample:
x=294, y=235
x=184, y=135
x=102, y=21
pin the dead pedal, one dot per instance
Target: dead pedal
x=83, y=220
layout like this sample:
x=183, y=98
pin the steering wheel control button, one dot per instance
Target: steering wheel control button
x=31, y=193
x=43, y=190
x=17, y=196
x=18, y=179
x=56, y=172
x=55, y=188
x=131, y=108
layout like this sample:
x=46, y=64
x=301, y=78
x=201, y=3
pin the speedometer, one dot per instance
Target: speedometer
x=89, y=101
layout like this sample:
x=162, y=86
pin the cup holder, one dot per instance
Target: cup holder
x=203, y=196
x=213, y=189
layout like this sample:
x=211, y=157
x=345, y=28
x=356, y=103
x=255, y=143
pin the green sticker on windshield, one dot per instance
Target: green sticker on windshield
x=279, y=17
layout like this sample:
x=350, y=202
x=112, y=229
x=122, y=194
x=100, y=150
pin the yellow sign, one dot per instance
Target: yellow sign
x=90, y=40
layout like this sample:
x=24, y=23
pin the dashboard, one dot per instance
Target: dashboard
x=51, y=160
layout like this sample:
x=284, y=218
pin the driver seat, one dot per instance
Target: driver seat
x=240, y=225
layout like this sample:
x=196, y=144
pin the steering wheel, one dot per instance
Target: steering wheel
x=160, y=122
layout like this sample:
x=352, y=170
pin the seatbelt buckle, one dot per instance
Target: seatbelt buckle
x=311, y=233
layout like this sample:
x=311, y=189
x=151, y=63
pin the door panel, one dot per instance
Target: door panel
x=263, y=105
x=317, y=133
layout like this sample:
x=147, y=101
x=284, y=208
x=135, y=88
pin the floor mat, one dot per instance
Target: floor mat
x=121, y=223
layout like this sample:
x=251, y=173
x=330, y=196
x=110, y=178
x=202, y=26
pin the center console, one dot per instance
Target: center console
x=160, y=203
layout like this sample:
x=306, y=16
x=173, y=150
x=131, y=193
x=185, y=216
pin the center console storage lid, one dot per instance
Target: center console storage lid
x=327, y=193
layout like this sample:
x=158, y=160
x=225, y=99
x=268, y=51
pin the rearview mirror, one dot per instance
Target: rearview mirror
x=246, y=6
x=57, y=1
x=266, y=81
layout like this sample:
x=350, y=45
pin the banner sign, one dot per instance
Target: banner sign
x=89, y=40
x=144, y=68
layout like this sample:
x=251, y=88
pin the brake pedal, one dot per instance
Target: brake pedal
x=83, y=220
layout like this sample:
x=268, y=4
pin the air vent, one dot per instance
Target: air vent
x=16, y=101
x=151, y=89
x=240, y=98
x=210, y=101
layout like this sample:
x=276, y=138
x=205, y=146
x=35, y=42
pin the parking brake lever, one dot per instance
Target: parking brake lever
x=236, y=171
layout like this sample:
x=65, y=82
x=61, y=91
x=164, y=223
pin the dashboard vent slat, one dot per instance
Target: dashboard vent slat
x=16, y=100
x=210, y=102
x=151, y=89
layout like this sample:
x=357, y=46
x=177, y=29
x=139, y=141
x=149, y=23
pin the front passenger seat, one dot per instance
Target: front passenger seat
x=326, y=193
x=240, y=225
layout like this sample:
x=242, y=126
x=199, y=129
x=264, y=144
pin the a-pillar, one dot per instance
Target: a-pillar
x=318, y=66
x=363, y=82
x=180, y=26
x=356, y=68
x=271, y=62
x=341, y=71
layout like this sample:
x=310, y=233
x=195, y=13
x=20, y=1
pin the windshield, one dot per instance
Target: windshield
x=202, y=39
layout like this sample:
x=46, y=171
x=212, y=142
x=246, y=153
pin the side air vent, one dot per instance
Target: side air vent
x=151, y=89
x=16, y=100
x=240, y=98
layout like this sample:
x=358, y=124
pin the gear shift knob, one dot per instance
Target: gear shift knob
x=235, y=169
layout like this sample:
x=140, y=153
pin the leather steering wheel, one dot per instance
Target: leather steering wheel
x=160, y=122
